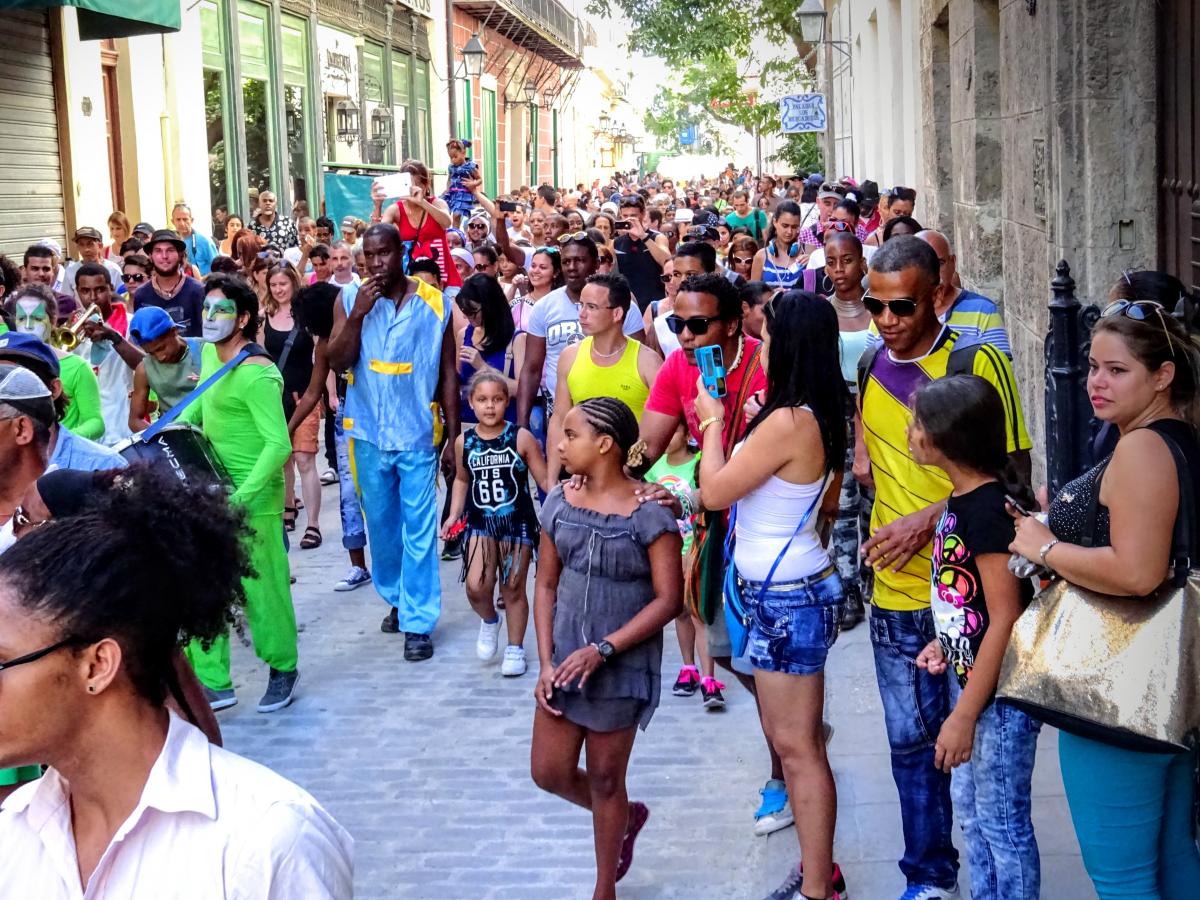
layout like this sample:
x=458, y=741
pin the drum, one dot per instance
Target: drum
x=181, y=448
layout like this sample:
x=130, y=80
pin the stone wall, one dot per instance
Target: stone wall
x=1045, y=150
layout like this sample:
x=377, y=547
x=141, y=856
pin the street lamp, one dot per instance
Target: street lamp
x=473, y=55
x=605, y=122
x=812, y=17
x=531, y=93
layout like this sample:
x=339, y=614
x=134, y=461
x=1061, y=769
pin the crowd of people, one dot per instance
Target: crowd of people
x=578, y=371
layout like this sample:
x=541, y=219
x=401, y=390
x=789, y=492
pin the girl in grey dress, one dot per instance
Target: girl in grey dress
x=608, y=582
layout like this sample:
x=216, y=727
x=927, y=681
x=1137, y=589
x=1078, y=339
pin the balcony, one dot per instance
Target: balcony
x=543, y=27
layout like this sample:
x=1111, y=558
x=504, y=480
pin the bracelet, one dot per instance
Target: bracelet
x=1046, y=548
x=703, y=426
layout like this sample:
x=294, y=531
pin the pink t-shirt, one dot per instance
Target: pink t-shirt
x=674, y=391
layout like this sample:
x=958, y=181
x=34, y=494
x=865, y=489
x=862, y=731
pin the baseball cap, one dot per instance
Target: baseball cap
x=87, y=231
x=26, y=350
x=25, y=392
x=149, y=324
x=814, y=179
x=610, y=208
x=49, y=244
x=348, y=223
x=828, y=190
x=143, y=228
x=703, y=233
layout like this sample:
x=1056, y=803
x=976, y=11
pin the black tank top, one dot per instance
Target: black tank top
x=297, y=372
x=640, y=269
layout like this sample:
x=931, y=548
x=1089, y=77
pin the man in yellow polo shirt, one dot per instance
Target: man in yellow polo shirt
x=909, y=499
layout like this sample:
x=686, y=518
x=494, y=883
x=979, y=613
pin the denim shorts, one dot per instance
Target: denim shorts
x=795, y=623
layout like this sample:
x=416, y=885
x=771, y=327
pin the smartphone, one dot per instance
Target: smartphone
x=621, y=225
x=1014, y=504
x=398, y=185
x=507, y=206
x=711, y=361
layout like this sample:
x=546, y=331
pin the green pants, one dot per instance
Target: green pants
x=269, y=610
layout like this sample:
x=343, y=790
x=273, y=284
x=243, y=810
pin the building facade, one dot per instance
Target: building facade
x=1047, y=131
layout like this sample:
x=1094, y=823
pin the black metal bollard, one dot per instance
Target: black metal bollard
x=1068, y=411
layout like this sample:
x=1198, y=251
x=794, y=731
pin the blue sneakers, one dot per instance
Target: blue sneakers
x=774, y=813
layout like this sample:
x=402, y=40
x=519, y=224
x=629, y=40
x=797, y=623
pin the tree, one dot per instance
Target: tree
x=715, y=47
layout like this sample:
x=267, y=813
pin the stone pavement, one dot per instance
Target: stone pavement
x=427, y=766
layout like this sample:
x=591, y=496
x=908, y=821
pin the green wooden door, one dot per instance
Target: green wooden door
x=488, y=152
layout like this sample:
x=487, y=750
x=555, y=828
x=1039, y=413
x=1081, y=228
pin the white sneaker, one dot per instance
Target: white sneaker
x=514, y=662
x=355, y=578
x=489, y=639
x=927, y=892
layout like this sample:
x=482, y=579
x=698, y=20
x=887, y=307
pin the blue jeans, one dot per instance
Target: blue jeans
x=1132, y=815
x=354, y=529
x=915, y=704
x=992, y=799
x=399, y=497
x=794, y=624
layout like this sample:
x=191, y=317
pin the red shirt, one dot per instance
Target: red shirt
x=674, y=392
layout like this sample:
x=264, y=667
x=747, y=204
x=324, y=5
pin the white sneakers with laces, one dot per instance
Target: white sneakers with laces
x=514, y=662
x=489, y=639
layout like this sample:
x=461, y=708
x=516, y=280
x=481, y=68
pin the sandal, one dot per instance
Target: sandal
x=311, y=539
x=289, y=518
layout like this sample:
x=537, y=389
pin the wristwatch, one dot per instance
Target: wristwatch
x=1046, y=548
x=605, y=649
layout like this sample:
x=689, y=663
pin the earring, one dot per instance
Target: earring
x=603, y=450
x=91, y=689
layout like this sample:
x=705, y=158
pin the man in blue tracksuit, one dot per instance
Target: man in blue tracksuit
x=395, y=340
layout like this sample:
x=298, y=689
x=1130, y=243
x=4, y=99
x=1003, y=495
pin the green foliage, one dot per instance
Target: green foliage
x=799, y=153
x=707, y=47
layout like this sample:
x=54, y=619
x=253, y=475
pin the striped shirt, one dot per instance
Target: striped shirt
x=903, y=486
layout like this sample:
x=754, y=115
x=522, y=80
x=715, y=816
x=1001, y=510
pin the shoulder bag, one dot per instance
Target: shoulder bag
x=1121, y=670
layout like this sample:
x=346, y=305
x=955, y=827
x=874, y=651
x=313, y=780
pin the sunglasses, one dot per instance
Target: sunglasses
x=480, y=267
x=1141, y=311
x=135, y=279
x=575, y=236
x=606, y=259
x=901, y=308
x=674, y=276
x=838, y=225
x=742, y=260
x=476, y=225
x=697, y=325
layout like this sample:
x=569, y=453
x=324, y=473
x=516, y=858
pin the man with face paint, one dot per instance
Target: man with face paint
x=103, y=346
x=33, y=309
x=170, y=368
x=242, y=417
x=395, y=339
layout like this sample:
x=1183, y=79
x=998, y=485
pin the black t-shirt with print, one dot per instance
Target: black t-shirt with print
x=972, y=525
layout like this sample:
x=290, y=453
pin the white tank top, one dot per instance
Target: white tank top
x=766, y=518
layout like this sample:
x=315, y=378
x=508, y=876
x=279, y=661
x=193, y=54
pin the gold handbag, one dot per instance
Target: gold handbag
x=1122, y=670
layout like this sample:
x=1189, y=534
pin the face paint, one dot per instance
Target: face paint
x=33, y=318
x=220, y=319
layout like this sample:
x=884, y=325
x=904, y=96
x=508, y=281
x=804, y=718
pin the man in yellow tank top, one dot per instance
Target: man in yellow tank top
x=605, y=363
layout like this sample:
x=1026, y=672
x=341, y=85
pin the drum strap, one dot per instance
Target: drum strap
x=175, y=411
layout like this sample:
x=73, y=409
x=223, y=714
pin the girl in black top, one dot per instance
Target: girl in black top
x=958, y=426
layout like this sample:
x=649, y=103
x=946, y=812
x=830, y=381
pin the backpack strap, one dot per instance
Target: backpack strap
x=962, y=359
x=864, y=366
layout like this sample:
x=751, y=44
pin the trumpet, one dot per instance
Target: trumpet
x=67, y=338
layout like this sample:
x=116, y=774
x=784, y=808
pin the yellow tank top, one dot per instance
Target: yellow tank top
x=621, y=380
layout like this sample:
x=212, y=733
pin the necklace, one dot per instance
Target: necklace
x=848, y=309
x=166, y=295
x=596, y=352
x=737, y=358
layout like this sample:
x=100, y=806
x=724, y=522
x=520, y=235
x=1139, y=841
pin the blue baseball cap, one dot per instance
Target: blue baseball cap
x=149, y=324
x=27, y=350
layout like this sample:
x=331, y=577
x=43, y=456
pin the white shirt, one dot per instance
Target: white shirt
x=556, y=319
x=292, y=255
x=68, y=281
x=116, y=383
x=209, y=825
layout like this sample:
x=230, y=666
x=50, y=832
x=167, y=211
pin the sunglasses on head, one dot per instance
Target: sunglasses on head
x=902, y=307
x=574, y=236
x=134, y=278
x=697, y=325
x=1141, y=311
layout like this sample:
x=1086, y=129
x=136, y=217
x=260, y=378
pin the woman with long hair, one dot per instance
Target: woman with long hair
x=785, y=485
x=606, y=224
x=489, y=340
x=545, y=275
x=233, y=227
x=292, y=347
x=257, y=274
x=1132, y=810
x=742, y=250
x=245, y=249
x=781, y=262
x=93, y=610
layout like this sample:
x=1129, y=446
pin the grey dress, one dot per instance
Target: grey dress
x=605, y=582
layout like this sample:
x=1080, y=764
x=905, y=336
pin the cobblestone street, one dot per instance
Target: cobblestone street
x=427, y=766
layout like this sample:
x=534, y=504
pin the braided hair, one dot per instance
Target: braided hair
x=608, y=415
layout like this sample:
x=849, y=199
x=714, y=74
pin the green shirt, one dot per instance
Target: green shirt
x=679, y=480
x=242, y=417
x=83, y=393
x=756, y=221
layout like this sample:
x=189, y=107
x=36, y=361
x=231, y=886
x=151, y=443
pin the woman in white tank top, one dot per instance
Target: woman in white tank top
x=784, y=485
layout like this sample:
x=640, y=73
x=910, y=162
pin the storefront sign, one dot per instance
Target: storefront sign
x=422, y=7
x=802, y=113
x=339, y=62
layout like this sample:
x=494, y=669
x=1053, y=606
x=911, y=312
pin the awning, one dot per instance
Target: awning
x=114, y=18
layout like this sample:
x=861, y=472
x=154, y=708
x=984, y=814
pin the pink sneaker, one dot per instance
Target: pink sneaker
x=710, y=690
x=687, y=682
